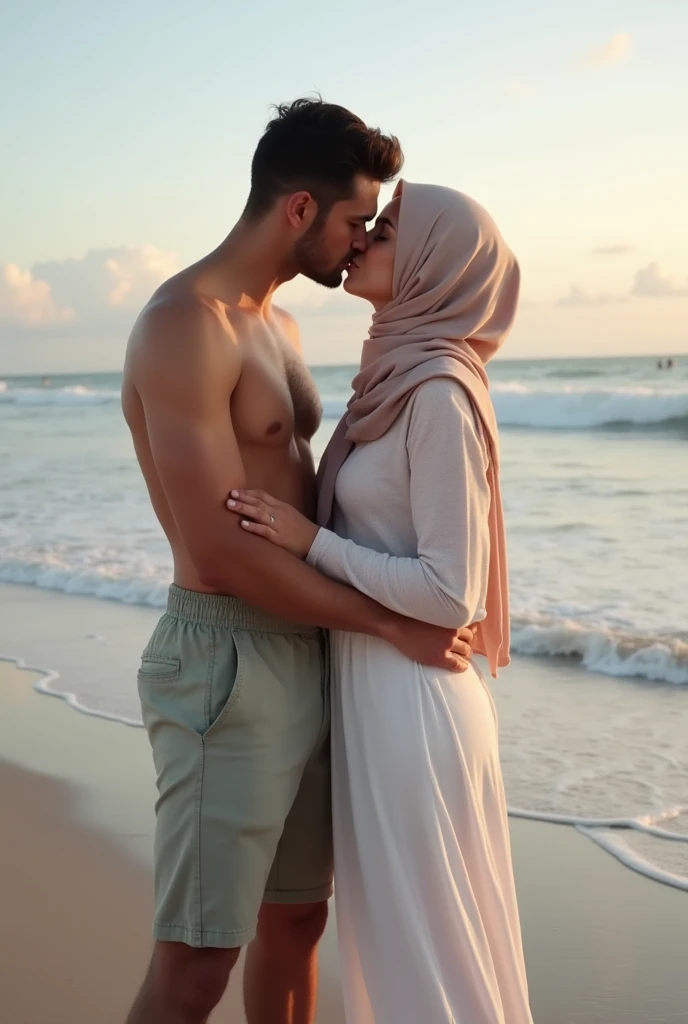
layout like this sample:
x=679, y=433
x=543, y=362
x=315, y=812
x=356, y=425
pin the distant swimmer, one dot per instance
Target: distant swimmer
x=45, y=382
x=660, y=364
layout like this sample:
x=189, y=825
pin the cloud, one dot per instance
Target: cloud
x=614, y=51
x=649, y=283
x=28, y=301
x=108, y=282
x=100, y=291
x=613, y=250
x=579, y=297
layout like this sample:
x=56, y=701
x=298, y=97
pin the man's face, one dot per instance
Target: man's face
x=327, y=248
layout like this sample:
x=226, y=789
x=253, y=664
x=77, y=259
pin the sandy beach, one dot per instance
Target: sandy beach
x=75, y=856
x=603, y=944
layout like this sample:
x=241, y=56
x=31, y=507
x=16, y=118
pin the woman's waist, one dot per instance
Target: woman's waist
x=362, y=647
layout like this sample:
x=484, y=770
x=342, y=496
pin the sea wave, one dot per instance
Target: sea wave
x=559, y=407
x=76, y=394
x=655, y=658
x=568, y=373
x=106, y=582
x=574, y=407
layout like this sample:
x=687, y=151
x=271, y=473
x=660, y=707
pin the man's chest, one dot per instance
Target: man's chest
x=276, y=398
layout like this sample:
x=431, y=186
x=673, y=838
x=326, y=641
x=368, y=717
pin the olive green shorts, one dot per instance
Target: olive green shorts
x=236, y=707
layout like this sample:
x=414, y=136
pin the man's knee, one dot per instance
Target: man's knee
x=193, y=979
x=295, y=927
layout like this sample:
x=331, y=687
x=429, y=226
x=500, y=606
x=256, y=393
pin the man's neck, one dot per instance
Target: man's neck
x=247, y=267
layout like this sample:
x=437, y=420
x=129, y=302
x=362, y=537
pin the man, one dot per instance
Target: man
x=233, y=682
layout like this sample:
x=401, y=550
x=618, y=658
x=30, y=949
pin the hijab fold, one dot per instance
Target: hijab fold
x=455, y=291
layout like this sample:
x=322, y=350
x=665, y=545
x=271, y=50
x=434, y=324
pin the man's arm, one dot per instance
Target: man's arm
x=185, y=370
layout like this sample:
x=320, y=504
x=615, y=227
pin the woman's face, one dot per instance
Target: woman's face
x=370, y=275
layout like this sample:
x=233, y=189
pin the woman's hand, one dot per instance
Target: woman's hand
x=275, y=520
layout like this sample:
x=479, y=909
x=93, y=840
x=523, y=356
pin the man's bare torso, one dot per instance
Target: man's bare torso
x=274, y=408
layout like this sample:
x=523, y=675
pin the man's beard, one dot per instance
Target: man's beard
x=311, y=260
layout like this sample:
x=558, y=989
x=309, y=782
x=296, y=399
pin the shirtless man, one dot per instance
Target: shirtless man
x=233, y=683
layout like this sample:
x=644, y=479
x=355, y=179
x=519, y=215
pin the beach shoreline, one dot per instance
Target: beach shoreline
x=602, y=943
x=573, y=744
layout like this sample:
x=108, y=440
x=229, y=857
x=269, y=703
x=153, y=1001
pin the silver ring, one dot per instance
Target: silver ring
x=272, y=518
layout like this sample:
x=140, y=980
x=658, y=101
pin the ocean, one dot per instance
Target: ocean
x=595, y=483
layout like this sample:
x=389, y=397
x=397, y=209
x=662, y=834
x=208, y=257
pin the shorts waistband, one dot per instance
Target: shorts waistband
x=228, y=612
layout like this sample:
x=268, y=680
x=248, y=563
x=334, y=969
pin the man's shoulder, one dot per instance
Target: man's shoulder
x=182, y=337
x=289, y=325
x=182, y=313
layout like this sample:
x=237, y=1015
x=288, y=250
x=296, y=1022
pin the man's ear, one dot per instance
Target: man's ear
x=301, y=210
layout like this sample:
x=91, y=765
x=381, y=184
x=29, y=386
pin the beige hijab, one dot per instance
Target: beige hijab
x=456, y=287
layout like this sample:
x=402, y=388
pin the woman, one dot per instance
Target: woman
x=426, y=907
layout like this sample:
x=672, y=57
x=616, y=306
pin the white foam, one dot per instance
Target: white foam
x=610, y=834
x=643, y=823
x=615, y=843
x=614, y=653
x=48, y=684
x=100, y=583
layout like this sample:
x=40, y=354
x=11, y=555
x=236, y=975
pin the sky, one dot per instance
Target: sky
x=128, y=131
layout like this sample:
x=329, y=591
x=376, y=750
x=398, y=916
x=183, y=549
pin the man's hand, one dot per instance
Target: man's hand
x=286, y=527
x=432, y=645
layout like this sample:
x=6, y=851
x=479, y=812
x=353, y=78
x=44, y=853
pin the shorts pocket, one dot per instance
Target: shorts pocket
x=225, y=681
x=156, y=668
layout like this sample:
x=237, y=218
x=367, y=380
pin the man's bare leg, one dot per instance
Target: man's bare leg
x=281, y=972
x=183, y=984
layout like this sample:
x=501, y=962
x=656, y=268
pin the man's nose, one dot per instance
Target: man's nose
x=360, y=242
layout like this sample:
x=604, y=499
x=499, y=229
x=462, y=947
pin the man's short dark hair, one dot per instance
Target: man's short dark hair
x=319, y=147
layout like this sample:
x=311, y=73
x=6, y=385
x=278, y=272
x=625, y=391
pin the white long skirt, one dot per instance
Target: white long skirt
x=426, y=906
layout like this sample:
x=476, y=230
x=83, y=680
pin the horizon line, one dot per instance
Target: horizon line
x=333, y=366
